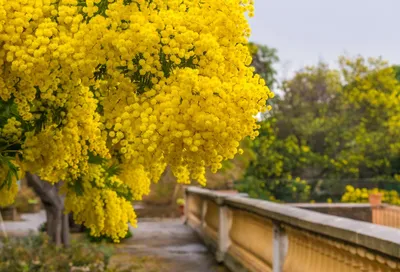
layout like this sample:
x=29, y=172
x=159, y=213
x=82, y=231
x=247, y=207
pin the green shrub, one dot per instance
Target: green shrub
x=37, y=253
x=180, y=201
x=284, y=191
x=42, y=227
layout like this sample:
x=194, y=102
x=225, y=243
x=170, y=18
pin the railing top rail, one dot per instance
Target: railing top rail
x=215, y=196
x=330, y=205
x=375, y=237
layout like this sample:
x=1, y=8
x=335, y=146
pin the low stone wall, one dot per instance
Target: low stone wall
x=10, y=214
x=256, y=235
x=361, y=212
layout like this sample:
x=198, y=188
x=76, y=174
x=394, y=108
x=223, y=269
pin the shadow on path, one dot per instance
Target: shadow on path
x=165, y=245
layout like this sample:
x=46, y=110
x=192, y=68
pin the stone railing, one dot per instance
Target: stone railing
x=254, y=235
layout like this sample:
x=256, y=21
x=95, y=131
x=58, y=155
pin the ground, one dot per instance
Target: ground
x=157, y=245
x=29, y=223
x=166, y=245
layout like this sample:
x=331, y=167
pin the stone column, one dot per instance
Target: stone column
x=225, y=223
x=280, y=245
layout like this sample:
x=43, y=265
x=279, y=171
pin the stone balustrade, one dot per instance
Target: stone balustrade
x=255, y=235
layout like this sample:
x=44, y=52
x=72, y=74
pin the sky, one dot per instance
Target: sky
x=306, y=31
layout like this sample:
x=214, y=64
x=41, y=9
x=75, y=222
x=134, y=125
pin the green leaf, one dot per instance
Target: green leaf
x=12, y=172
x=77, y=187
x=113, y=170
x=95, y=159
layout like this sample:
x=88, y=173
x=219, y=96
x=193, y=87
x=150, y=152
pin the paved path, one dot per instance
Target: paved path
x=157, y=245
x=29, y=223
x=168, y=245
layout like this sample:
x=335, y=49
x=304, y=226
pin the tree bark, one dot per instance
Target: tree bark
x=53, y=202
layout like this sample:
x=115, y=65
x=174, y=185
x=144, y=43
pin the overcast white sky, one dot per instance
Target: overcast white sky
x=305, y=31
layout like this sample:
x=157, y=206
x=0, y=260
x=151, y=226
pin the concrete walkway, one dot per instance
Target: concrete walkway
x=165, y=245
x=29, y=223
x=157, y=245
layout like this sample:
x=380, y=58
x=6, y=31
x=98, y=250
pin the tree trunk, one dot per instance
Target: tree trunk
x=53, y=202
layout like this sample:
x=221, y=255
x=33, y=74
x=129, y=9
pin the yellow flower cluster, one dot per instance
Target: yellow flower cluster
x=361, y=195
x=185, y=129
x=68, y=142
x=97, y=205
x=141, y=83
x=12, y=130
x=8, y=192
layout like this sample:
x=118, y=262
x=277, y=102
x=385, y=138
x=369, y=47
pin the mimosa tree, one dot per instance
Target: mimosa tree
x=104, y=94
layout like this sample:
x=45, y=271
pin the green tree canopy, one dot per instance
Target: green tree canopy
x=331, y=124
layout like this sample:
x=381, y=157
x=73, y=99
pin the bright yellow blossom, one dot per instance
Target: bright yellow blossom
x=108, y=93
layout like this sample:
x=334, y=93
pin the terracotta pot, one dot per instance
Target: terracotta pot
x=375, y=199
x=182, y=209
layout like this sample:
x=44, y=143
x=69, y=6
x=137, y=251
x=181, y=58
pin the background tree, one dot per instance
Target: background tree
x=330, y=125
x=263, y=60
